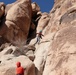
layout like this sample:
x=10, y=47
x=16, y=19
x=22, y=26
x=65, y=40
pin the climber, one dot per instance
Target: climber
x=39, y=36
x=19, y=69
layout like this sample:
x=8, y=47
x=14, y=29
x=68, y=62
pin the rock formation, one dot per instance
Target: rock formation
x=8, y=68
x=55, y=55
x=56, y=52
x=17, y=23
x=2, y=9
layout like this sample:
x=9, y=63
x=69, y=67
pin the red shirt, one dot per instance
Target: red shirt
x=20, y=70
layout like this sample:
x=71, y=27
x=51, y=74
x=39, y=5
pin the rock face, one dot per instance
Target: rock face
x=8, y=6
x=43, y=22
x=8, y=65
x=2, y=9
x=18, y=21
x=10, y=55
x=35, y=8
x=56, y=53
x=61, y=54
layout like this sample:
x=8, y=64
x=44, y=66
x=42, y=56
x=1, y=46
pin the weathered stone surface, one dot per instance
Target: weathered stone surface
x=30, y=55
x=2, y=9
x=36, y=13
x=55, y=55
x=17, y=51
x=69, y=16
x=59, y=34
x=4, y=46
x=35, y=9
x=8, y=6
x=8, y=65
x=43, y=22
x=61, y=57
x=10, y=50
x=18, y=21
x=40, y=57
x=61, y=54
x=29, y=51
x=32, y=27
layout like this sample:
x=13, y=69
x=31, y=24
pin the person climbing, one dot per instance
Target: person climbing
x=19, y=69
x=39, y=36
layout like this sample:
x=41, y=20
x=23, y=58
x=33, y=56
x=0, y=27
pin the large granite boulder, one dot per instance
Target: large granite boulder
x=18, y=21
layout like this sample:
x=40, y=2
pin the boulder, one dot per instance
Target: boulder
x=43, y=22
x=35, y=9
x=18, y=22
x=8, y=6
x=10, y=50
x=2, y=9
x=8, y=65
x=30, y=55
x=40, y=57
x=28, y=51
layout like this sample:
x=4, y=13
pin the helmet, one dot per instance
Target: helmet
x=40, y=31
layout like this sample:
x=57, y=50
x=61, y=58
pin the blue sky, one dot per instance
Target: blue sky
x=45, y=5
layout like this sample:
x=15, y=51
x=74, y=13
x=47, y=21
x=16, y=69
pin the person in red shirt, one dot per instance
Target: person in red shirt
x=19, y=69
